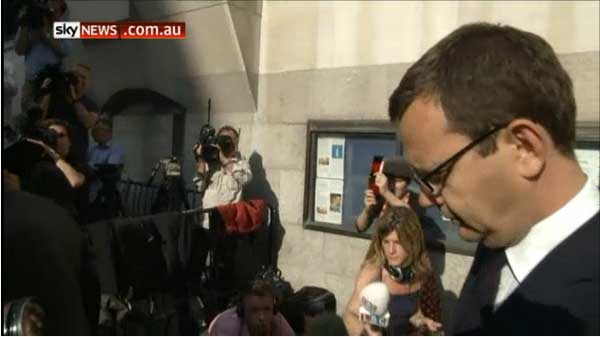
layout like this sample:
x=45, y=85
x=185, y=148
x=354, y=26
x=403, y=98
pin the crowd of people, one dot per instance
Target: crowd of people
x=487, y=117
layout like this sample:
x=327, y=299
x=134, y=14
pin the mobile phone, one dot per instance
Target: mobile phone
x=376, y=166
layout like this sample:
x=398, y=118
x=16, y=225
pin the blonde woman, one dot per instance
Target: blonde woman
x=397, y=257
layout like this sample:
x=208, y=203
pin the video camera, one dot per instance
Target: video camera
x=34, y=13
x=211, y=142
x=60, y=81
x=20, y=157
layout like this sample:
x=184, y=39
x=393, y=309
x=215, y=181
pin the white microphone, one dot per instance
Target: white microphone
x=374, y=299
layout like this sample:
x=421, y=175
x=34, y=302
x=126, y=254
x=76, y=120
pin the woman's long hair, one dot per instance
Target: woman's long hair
x=406, y=224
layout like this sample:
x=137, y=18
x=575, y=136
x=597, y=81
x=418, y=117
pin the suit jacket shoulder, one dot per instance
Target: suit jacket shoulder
x=561, y=294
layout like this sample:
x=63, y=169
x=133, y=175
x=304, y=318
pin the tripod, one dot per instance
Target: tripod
x=171, y=194
x=108, y=203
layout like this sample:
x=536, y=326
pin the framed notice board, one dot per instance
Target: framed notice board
x=338, y=162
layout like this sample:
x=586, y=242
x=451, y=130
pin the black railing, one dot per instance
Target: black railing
x=138, y=199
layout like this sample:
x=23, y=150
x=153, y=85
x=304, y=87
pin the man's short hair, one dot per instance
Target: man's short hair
x=258, y=288
x=483, y=75
x=84, y=66
x=229, y=128
x=104, y=121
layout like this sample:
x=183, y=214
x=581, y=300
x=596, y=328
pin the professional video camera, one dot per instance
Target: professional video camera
x=23, y=317
x=59, y=81
x=20, y=157
x=211, y=143
x=34, y=13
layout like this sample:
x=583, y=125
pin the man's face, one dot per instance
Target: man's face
x=84, y=77
x=258, y=314
x=63, y=145
x=476, y=192
x=102, y=133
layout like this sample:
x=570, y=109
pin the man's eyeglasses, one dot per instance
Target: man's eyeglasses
x=434, y=180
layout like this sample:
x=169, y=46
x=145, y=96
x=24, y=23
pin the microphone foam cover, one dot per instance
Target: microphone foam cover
x=375, y=298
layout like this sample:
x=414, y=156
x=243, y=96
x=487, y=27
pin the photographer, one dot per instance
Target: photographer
x=34, y=41
x=54, y=176
x=392, y=191
x=221, y=177
x=85, y=107
x=63, y=97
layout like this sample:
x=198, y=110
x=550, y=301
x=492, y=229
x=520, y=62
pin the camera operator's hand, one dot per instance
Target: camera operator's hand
x=50, y=151
x=369, y=199
x=381, y=181
x=46, y=85
x=197, y=150
x=74, y=93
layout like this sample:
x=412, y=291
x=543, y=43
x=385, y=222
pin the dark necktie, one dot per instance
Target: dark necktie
x=475, y=306
x=489, y=281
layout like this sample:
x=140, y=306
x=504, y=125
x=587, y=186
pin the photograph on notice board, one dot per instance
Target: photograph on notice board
x=330, y=157
x=335, y=202
x=329, y=200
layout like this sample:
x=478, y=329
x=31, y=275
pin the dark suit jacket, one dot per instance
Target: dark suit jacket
x=43, y=256
x=559, y=297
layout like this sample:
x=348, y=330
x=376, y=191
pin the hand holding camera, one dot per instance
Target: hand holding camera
x=49, y=150
x=211, y=147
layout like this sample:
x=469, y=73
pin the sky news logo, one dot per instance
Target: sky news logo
x=121, y=30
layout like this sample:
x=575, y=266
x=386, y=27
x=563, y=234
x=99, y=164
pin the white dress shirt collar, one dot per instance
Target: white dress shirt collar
x=544, y=236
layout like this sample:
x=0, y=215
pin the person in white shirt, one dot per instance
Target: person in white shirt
x=224, y=185
x=487, y=117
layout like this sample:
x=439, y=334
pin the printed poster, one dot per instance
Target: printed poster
x=329, y=200
x=590, y=162
x=330, y=157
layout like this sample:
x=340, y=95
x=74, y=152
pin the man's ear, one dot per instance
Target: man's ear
x=531, y=143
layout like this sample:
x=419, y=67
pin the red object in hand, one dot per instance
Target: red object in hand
x=375, y=167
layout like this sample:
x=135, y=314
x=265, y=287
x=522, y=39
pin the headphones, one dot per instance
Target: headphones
x=324, y=302
x=400, y=274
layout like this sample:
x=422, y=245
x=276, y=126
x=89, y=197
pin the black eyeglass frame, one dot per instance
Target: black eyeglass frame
x=448, y=163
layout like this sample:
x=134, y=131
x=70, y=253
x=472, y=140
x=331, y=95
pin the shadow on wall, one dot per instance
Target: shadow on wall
x=259, y=187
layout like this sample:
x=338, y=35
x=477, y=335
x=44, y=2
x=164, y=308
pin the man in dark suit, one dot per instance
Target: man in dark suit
x=487, y=117
x=43, y=255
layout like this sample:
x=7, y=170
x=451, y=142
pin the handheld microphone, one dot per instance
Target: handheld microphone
x=374, y=299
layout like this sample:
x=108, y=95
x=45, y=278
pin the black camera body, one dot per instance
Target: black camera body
x=22, y=156
x=211, y=142
x=60, y=81
x=46, y=135
x=34, y=14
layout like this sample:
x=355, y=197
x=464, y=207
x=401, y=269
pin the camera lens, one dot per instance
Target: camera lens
x=23, y=317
